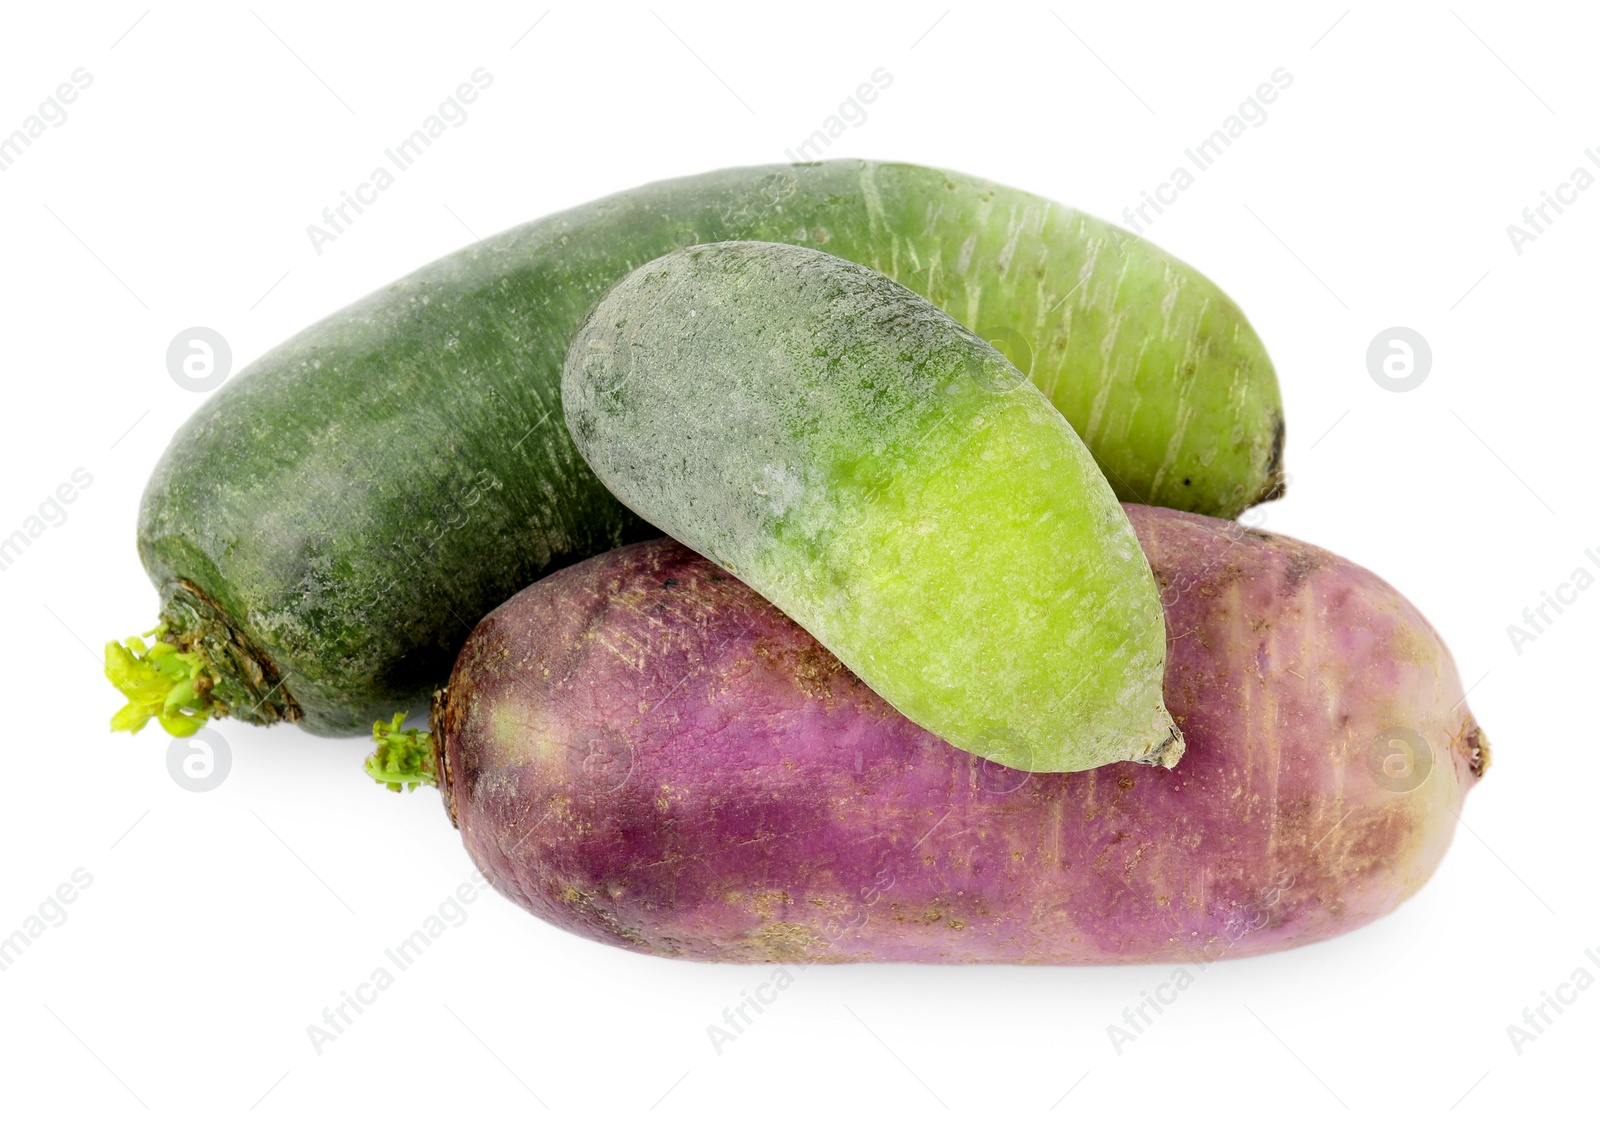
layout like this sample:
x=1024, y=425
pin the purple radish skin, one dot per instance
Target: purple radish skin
x=641, y=750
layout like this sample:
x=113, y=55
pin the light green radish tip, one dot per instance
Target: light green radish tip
x=403, y=758
x=161, y=682
x=889, y=481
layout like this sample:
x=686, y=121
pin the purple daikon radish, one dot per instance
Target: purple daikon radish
x=641, y=750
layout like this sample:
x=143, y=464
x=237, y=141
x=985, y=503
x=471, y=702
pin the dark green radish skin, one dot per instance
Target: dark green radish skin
x=642, y=751
x=328, y=526
x=889, y=481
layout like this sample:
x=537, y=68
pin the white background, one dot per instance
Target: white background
x=1378, y=192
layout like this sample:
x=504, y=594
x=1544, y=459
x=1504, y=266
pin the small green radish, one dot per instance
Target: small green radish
x=892, y=483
